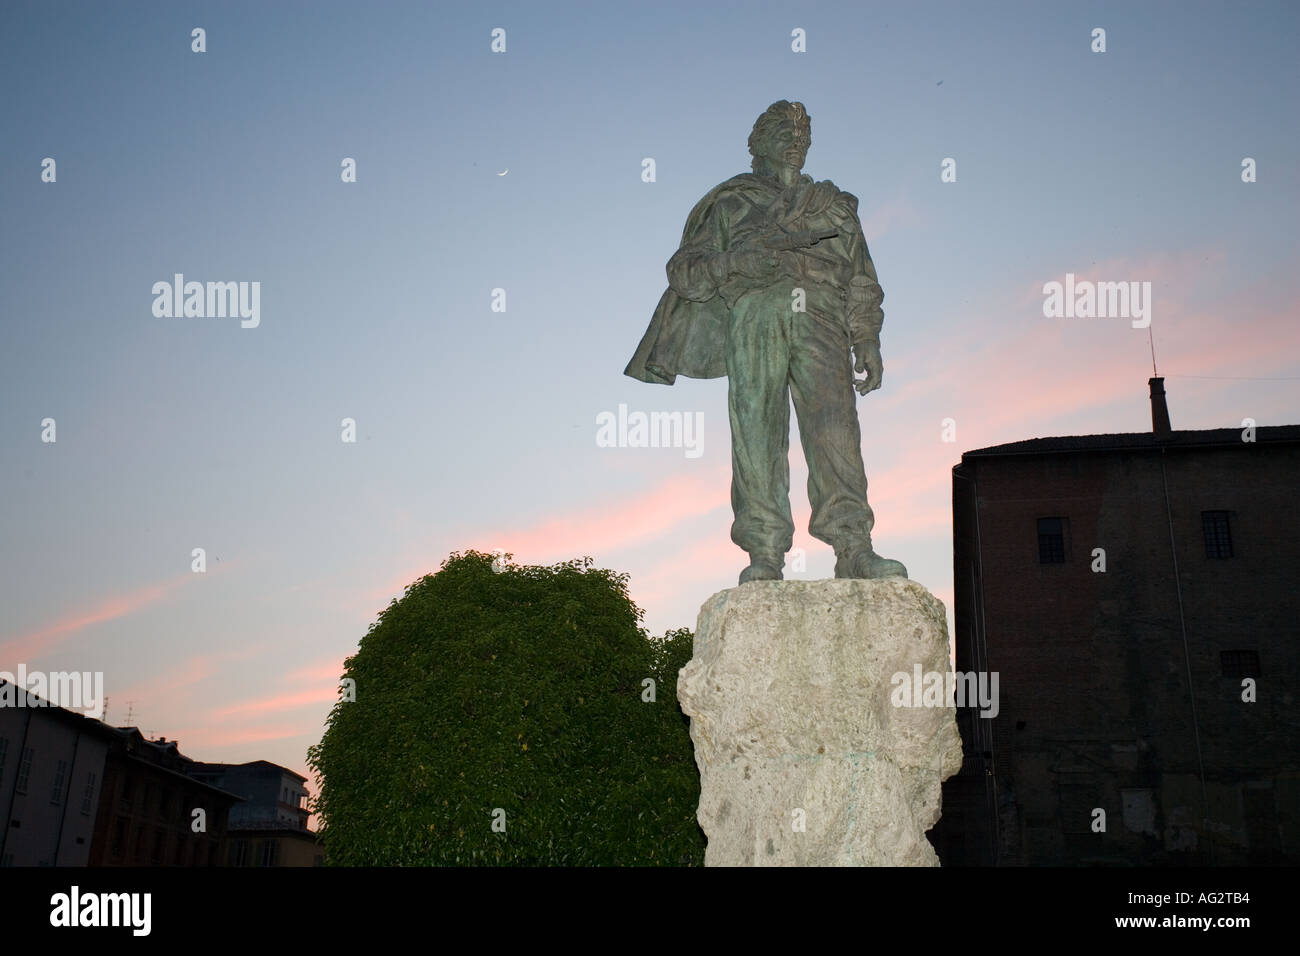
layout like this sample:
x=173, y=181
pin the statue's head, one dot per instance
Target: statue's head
x=781, y=137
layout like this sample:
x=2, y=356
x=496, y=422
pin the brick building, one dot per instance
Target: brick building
x=1129, y=590
x=146, y=812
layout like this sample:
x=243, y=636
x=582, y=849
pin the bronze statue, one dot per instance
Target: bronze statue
x=772, y=287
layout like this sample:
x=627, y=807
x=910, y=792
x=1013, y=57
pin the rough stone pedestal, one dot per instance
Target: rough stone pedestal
x=804, y=759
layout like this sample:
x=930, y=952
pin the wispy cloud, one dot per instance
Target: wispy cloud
x=278, y=702
x=326, y=669
x=203, y=739
x=611, y=525
x=30, y=646
x=889, y=216
x=174, y=689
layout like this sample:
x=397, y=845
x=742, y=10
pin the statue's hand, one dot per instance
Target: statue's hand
x=752, y=263
x=867, y=359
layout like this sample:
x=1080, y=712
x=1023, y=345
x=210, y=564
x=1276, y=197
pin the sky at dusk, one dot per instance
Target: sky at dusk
x=522, y=171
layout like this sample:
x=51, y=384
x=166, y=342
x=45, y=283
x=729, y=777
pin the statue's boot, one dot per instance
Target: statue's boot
x=860, y=561
x=763, y=567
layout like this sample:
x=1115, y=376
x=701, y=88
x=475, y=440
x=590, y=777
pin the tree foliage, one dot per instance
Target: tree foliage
x=515, y=694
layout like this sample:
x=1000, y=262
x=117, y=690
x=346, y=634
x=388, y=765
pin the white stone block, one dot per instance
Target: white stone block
x=794, y=723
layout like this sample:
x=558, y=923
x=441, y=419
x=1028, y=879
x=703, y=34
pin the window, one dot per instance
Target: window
x=119, y=837
x=24, y=770
x=60, y=775
x=1051, y=540
x=270, y=852
x=241, y=853
x=88, y=798
x=1218, y=538
x=1239, y=663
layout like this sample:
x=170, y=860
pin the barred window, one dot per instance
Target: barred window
x=60, y=776
x=88, y=797
x=1051, y=540
x=1237, y=664
x=24, y=770
x=1218, y=537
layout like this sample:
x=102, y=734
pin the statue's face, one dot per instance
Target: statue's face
x=789, y=145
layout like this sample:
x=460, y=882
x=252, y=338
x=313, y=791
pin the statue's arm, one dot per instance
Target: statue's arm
x=699, y=268
x=866, y=317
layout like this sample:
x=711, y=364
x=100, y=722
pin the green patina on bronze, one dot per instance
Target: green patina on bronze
x=774, y=288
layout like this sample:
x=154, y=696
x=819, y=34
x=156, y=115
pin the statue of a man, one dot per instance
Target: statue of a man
x=772, y=287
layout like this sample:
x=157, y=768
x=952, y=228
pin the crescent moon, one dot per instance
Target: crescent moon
x=504, y=171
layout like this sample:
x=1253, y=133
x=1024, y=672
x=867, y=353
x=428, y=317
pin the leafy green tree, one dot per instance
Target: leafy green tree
x=500, y=719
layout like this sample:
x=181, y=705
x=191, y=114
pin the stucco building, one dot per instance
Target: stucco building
x=51, y=774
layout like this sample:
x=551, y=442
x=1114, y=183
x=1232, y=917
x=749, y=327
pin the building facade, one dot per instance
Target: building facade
x=51, y=775
x=1137, y=595
x=152, y=812
x=269, y=827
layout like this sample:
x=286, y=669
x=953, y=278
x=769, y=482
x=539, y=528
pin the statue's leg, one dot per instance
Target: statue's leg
x=821, y=382
x=758, y=404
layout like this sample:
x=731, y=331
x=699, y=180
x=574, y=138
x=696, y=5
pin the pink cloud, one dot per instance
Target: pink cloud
x=598, y=529
x=693, y=566
x=326, y=669
x=28, y=647
x=195, y=739
x=1053, y=372
x=292, y=701
x=890, y=215
x=619, y=523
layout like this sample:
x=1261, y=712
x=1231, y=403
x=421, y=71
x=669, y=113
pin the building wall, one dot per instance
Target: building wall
x=274, y=848
x=1096, y=702
x=49, y=821
x=273, y=795
x=146, y=818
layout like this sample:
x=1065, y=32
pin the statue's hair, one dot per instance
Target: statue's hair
x=774, y=117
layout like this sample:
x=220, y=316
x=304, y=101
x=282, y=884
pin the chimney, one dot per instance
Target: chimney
x=1159, y=410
